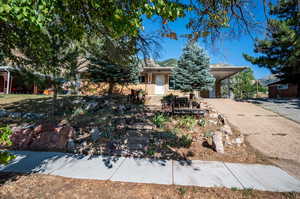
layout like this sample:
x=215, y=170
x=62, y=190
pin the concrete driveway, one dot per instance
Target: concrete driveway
x=289, y=108
x=268, y=132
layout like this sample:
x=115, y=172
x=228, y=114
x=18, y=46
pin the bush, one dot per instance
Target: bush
x=202, y=122
x=174, y=140
x=169, y=98
x=159, y=120
x=5, y=157
x=187, y=122
x=5, y=132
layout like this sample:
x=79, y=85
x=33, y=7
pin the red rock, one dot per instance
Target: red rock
x=43, y=137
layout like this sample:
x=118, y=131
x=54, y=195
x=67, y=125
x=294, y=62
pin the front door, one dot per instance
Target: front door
x=159, y=84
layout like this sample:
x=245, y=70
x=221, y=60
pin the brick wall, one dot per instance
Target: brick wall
x=292, y=91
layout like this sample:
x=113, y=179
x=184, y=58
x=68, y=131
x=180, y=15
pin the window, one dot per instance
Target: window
x=171, y=82
x=142, y=79
x=282, y=86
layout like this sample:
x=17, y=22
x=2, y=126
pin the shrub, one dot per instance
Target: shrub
x=5, y=132
x=169, y=98
x=187, y=122
x=5, y=157
x=178, y=141
x=185, y=141
x=159, y=120
x=202, y=122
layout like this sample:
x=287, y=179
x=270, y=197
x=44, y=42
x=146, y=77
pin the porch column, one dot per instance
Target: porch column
x=149, y=81
x=218, y=89
x=35, y=88
x=8, y=83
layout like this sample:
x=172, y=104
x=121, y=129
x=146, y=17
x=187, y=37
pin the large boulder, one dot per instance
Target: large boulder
x=21, y=138
x=43, y=137
x=218, y=142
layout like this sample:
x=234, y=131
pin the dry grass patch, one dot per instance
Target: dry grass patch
x=45, y=186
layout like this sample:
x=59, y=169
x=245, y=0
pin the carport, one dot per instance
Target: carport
x=222, y=72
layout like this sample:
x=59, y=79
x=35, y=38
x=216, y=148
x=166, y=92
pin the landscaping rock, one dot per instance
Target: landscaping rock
x=28, y=126
x=239, y=140
x=95, y=134
x=218, y=142
x=91, y=106
x=226, y=129
x=121, y=109
x=140, y=126
x=70, y=145
x=42, y=137
x=15, y=115
x=30, y=116
x=227, y=140
x=212, y=122
x=21, y=138
x=63, y=123
x=221, y=119
x=3, y=113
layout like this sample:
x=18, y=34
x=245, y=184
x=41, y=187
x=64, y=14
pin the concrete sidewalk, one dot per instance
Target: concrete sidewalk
x=197, y=173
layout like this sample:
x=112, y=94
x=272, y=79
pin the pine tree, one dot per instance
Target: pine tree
x=280, y=50
x=192, y=71
x=112, y=74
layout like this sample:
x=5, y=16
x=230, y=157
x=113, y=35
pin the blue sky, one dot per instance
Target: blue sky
x=224, y=51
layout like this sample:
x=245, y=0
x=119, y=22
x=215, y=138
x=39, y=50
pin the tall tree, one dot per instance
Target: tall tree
x=280, y=50
x=192, y=71
x=243, y=84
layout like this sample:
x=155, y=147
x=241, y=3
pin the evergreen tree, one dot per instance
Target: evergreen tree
x=280, y=50
x=113, y=74
x=192, y=72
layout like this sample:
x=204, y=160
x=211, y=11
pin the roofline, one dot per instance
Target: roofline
x=212, y=69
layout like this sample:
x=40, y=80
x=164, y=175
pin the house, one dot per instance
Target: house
x=14, y=80
x=283, y=89
x=157, y=80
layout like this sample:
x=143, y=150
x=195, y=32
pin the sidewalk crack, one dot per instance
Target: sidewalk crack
x=173, y=172
x=234, y=175
x=117, y=169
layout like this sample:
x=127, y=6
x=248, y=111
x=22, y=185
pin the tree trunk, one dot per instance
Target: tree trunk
x=54, y=100
x=111, y=87
x=298, y=89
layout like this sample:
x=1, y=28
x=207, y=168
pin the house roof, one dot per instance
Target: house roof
x=219, y=71
x=6, y=68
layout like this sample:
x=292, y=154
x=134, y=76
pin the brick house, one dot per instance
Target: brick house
x=282, y=89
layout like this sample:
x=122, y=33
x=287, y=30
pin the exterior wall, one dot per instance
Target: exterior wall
x=274, y=92
x=89, y=88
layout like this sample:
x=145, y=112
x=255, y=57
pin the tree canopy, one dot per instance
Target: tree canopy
x=280, y=50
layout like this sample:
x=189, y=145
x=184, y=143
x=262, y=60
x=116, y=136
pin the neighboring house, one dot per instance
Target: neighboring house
x=282, y=89
x=13, y=81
